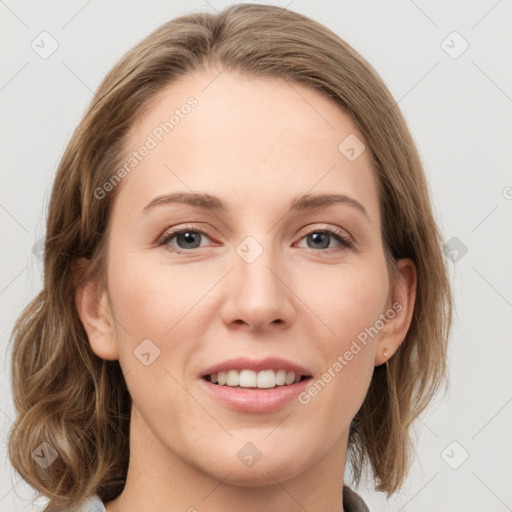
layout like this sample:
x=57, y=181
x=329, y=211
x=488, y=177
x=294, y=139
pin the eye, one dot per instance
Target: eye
x=187, y=238
x=322, y=239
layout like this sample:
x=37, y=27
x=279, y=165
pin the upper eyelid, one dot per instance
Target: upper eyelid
x=191, y=227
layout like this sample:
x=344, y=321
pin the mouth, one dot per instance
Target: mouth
x=239, y=393
x=251, y=385
x=250, y=379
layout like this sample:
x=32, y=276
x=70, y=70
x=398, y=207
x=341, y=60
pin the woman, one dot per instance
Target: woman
x=244, y=287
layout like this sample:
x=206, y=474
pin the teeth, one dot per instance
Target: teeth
x=250, y=379
x=247, y=379
x=232, y=378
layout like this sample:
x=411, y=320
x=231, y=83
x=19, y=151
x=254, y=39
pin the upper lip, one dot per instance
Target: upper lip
x=243, y=363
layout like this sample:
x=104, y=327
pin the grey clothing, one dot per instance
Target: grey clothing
x=352, y=502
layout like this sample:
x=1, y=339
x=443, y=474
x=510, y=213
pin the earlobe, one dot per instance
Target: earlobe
x=93, y=309
x=402, y=301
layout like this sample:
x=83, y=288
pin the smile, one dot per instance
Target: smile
x=263, y=379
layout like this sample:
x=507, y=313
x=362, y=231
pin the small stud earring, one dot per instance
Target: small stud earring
x=385, y=354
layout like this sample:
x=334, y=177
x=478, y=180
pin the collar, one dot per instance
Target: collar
x=352, y=502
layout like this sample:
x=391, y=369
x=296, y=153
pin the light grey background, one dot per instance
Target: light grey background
x=459, y=110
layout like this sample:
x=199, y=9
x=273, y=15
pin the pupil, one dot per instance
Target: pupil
x=188, y=237
x=318, y=237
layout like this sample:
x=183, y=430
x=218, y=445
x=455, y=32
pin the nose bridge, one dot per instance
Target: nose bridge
x=257, y=264
x=260, y=296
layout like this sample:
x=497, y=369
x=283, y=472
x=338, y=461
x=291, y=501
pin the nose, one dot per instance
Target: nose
x=259, y=293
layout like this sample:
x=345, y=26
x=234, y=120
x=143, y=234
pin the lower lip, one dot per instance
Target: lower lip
x=255, y=400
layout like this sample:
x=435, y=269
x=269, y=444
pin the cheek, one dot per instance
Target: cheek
x=349, y=308
x=155, y=301
x=158, y=331
x=345, y=300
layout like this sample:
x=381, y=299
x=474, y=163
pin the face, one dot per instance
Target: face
x=253, y=273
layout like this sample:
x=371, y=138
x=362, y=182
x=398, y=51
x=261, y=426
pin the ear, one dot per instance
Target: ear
x=401, y=301
x=94, y=310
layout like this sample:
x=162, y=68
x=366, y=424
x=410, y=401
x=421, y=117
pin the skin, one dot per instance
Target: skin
x=256, y=144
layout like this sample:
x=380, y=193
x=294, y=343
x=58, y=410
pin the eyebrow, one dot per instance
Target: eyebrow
x=300, y=203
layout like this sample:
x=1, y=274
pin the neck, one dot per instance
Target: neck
x=171, y=484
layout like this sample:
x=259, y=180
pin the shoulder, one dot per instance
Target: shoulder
x=352, y=502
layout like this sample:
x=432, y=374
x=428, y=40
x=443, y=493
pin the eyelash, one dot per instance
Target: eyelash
x=344, y=240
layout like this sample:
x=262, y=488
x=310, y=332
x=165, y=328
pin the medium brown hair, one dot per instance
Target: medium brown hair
x=79, y=403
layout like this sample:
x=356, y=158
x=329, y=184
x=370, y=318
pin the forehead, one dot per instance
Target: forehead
x=247, y=140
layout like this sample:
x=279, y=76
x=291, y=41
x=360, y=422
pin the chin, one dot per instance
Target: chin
x=237, y=468
x=262, y=474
